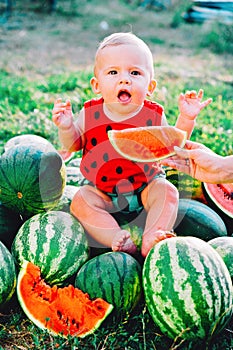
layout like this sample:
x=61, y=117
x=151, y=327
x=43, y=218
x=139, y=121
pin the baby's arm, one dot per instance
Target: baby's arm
x=190, y=106
x=70, y=132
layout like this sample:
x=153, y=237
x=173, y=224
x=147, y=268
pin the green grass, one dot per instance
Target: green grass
x=136, y=332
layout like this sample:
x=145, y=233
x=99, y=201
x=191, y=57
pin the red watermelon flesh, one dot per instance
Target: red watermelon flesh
x=149, y=144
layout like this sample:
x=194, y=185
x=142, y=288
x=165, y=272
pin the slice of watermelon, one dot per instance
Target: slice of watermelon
x=61, y=311
x=148, y=144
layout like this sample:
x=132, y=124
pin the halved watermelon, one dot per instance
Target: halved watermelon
x=221, y=195
x=220, y=198
x=62, y=311
x=149, y=144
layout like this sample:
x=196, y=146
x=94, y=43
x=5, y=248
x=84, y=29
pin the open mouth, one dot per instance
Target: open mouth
x=124, y=96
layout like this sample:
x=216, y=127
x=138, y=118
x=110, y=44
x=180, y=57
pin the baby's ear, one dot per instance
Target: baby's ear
x=151, y=87
x=95, y=85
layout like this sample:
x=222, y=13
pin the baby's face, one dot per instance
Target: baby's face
x=123, y=76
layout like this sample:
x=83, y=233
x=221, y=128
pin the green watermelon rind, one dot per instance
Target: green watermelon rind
x=224, y=247
x=31, y=181
x=29, y=139
x=188, y=289
x=7, y=275
x=141, y=159
x=218, y=204
x=54, y=241
x=197, y=219
x=114, y=277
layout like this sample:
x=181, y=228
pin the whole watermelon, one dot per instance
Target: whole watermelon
x=197, y=219
x=54, y=241
x=7, y=275
x=31, y=181
x=224, y=247
x=29, y=139
x=114, y=277
x=188, y=289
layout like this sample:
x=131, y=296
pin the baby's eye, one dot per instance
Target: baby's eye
x=135, y=72
x=112, y=72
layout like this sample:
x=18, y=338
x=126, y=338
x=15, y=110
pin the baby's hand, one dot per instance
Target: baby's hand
x=190, y=103
x=62, y=115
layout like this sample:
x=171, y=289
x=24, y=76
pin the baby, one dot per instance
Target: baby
x=124, y=78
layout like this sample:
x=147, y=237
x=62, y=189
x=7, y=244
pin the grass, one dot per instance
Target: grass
x=26, y=102
x=136, y=332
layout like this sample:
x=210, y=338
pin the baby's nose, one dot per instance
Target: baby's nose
x=125, y=79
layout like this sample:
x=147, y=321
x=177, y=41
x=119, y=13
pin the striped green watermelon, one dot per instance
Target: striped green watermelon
x=224, y=247
x=114, y=277
x=29, y=139
x=188, y=289
x=187, y=186
x=54, y=241
x=7, y=275
x=31, y=181
x=74, y=176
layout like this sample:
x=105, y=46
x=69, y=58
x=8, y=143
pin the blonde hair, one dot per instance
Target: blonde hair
x=127, y=38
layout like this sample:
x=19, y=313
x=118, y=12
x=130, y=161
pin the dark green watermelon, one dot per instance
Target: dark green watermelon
x=31, y=181
x=197, y=219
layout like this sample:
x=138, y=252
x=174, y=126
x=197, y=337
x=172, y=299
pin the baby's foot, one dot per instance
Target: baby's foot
x=150, y=239
x=123, y=243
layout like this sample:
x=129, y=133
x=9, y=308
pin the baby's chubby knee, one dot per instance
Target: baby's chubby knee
x=77, y=203
x=165, y=189
x=87, y=199
x=171, y=190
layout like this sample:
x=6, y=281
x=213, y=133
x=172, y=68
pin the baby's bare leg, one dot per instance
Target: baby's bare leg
x=160, y=200
x=92, y=208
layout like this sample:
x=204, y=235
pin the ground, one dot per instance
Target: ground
x=34, y=42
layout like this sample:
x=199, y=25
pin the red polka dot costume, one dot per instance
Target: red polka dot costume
x=101, y=164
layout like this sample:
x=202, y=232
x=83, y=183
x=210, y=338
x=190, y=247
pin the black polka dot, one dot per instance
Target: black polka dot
x=94, y=164
x=86, y=169
x=104, y=178
x=149, y=122
x=152, y=172
x=131, y=179
x=97, y=115
x=108, y=128
x=105, y=157
x=146, y=167
x=93, y=141
x=119, y=170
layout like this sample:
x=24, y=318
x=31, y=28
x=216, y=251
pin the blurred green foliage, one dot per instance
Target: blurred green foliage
x=26, y=106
